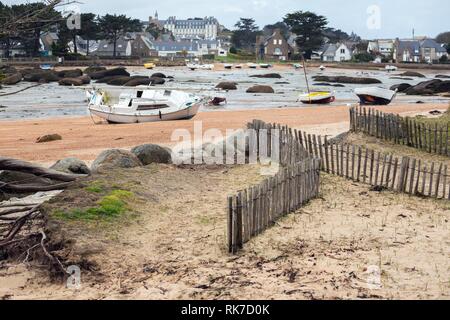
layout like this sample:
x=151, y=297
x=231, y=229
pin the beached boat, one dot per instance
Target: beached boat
x=264, y=65
x=46, y=66
x=238, y=66
x=195, y=66
x=297, y=66
x=322, y=68
x=145, y=106
x=375, y=95
x=390, y=68
x=149, y=65
x=228, y=66
x=317, y=97
x=252, y=65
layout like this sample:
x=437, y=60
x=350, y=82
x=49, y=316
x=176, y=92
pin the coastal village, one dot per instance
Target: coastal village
x=178, y=158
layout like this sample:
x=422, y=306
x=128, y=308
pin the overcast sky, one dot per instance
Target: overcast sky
x=397, y=18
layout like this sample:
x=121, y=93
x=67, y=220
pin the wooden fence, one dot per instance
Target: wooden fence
x=405, y=131
x=255, y=209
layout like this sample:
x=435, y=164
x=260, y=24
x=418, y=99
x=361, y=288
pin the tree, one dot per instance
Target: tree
x=309, y=28
x=154, y=30
x=336, y=35
x=112, y=27
x=270, y=28
x=244, y=36
x=443, y=37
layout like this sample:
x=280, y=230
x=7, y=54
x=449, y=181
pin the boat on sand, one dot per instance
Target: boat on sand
x=375, y=95
x=145, y=106
x=317, y=97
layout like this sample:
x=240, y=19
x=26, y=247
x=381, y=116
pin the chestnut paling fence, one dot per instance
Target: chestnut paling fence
x=401, y=130
x=301, y=157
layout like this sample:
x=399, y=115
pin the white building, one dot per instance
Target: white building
x=194, y=28
x=336, y=52
x=383, y=47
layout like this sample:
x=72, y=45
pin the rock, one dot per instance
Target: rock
x=48, y=138
x=435, y=112
x=138, y=82
x=157, y=81
x=119, y=81
x=71, y=82
x=38, y=75
x=5, y=69
x=115, y=158
x=75, y=73
x=71, y=165
x=152, y=153
x=85, y=79
x=106, y=79
x=93, y=69
x=412, y=74
x=15, y=176
x=109, y=73
x=260, y=89
x=227, y=85
x=442, y=76
x=325, y=84
x=345, y=79
x=429, y=87
x=282, y=82
x=401, y=78
x=401, y=87
x=159, y=75
x=12, y=79
x=267, y=75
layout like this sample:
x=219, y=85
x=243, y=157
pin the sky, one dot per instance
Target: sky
x=367, y=18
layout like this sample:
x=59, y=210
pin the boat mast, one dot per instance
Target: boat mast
x=306, y=78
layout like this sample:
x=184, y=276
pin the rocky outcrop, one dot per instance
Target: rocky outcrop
x=6, y=69
x=42, y=76
x=75, y=73
x=48, y=138
x=402, y=87
x=119, y=81
x=325, y=84
x=159, y=75
x=227, y=85
x=115, y=158
x=442, y=76
x=430, y=87
x=92, y=69
x=152, y=153
x=72, y=166
x=157, y=81
x=12, y=79
x=267, y=76
x=138, y=82
x=260, y=89
x=109, y=73
x=345, y=79
x=79, y=81
x=412, y=74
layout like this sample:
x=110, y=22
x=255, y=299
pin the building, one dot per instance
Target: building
x=381, y=47
x=106, y=48
x=47, y=41
x=142, y=46
x=431, y=51
x=337, y=52
x=176, y=48
x=274, y=47
x=417, y=51
x=194, y=28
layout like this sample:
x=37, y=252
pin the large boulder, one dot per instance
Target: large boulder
x=267, y=75
x=12, y=79
x=442, y=87
x=106, y=79
x=42, y=76
x=71, y=165
x=227, y=85
x=75, y=73
x=442, y=76
x=345, y=79
x=159, y=75
x=71, y=82
x=152, y=153
x=429, y=87
x=115, y=158
x=108, y=73
x=138, y=82
x=6, y=69
x=119, y=81
x=85, y=79
x=412, y=74
x=92, y=69
x=260, y=89
x=402, y=87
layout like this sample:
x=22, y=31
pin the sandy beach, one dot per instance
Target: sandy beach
x=85, y=140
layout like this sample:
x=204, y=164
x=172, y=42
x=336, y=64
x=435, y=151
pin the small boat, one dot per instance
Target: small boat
x=149, y=65
x=145, y=106
x=322, y=68
x=297, y=66
x=375, y=95
x=195, y=66
x=264, y=65
x=252, y=65
x=390, y=68
x=46, y=66
x=228, y=66
x=238, y=66
x=317, y=97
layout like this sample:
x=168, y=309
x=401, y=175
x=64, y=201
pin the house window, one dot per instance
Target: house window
x=280, y=42
x=342, y=51
x=274, y=41
x=277, y=52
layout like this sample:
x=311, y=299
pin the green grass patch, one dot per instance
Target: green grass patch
x=95, y=187
x=108, y=207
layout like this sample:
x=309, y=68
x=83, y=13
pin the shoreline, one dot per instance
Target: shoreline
x=85, y=140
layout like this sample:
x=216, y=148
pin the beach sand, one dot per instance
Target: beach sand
x=85, y=140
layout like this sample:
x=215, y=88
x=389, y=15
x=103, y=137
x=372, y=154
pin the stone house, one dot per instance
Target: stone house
x=274, y=47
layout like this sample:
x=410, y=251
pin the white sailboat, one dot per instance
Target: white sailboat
x=145, y=106
x=195, y=66
x=375, y=95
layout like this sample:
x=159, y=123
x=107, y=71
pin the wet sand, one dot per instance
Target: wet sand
x=85, y=140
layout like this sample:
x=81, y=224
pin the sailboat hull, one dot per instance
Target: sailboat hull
x=373, y=100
